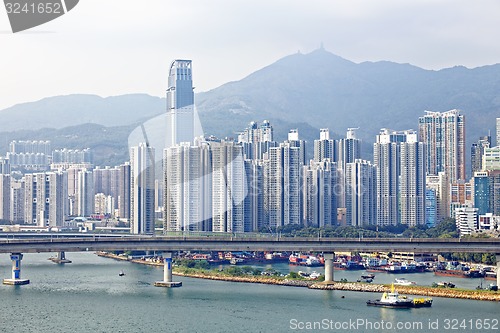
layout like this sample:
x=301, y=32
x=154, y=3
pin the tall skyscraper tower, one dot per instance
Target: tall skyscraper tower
x=142, y=184
x=482, y=192
x=413, y=179
x=386, y=155
x=477, y=152
x=180, y=103
x=444, y=135
x=401, y=171
x=187, y=187
x=85, y=192
x=124, y=191
x=45, y=199
x=319, y=197
x=256, y=140
x=360, y=193
x=349, y=148
x=283, y=182
x=325, y=147
x=228, y=187
x=5, y=197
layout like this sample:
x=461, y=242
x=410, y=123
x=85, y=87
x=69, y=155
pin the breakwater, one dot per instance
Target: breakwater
x=345, y=286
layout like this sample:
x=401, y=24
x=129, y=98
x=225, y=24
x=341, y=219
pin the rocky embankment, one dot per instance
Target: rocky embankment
x=347, y=286
x=411, y=290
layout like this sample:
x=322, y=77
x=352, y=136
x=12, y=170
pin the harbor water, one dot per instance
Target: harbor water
x=88, y=295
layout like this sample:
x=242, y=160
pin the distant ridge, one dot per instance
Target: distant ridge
x=77, y=109
x=308, y=91
x=326, y=90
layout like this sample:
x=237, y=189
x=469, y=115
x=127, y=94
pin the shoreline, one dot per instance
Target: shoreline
x=478, y=295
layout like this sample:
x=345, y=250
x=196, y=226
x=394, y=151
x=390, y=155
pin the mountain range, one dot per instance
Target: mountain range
x=305, y=91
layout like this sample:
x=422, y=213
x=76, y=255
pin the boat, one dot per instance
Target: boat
x=446, y=284
x=312, y=262
x=295, y=260
x=404, y=282
x=459, y=273
x=314, y=275
x=121, y=273
x=236, y=261
x=368, y=276
x=367, y=280
x=394, y=300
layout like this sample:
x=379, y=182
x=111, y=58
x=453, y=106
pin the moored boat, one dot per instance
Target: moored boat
x=404, y=282
x=394, y=300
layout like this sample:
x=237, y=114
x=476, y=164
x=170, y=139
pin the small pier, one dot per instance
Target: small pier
x=16, y=271
x=60, y=258
x=167, y=273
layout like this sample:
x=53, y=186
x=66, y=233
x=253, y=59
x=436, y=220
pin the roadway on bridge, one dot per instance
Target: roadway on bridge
x=54, y=243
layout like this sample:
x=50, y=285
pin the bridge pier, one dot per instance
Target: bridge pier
x=60, y=258
x=329, y=257
x=498, y=270
x=16, y=271
x=167, y=273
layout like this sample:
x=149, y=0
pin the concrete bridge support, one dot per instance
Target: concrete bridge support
x=498, y=270
x=16, y=271
x=60, y=258
x=329, y=257
x=167, y=273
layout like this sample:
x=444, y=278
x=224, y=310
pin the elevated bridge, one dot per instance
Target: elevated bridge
x=16, y=244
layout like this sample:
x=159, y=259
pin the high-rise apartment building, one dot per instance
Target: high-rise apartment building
x=477, y=152
x=123, y=199
x=360, y=193
x=45, y=199
x=187, y=175
x=494, y=191
x=440, y=185
x=386, y=156
x=443, y=133
x=400, y=162
x=254, y=214
x=491, y=158
x=283, y=188
x=4, y=165
x=142, y=184
x=482, y=192
x=228, y=187
x=431, y=207
x=319, y=197
x=31, y=155
x=256, y=140
x=85, y=193
x=5, y=197
x=413, y=173
x=325, y=148
x=17, y=201
x=349, y=148
x=180, y=103
x=466, y=219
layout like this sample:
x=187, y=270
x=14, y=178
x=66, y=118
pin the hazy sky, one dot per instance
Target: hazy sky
x=113, y=47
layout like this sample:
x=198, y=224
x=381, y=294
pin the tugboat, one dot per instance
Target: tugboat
x=394, y=300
